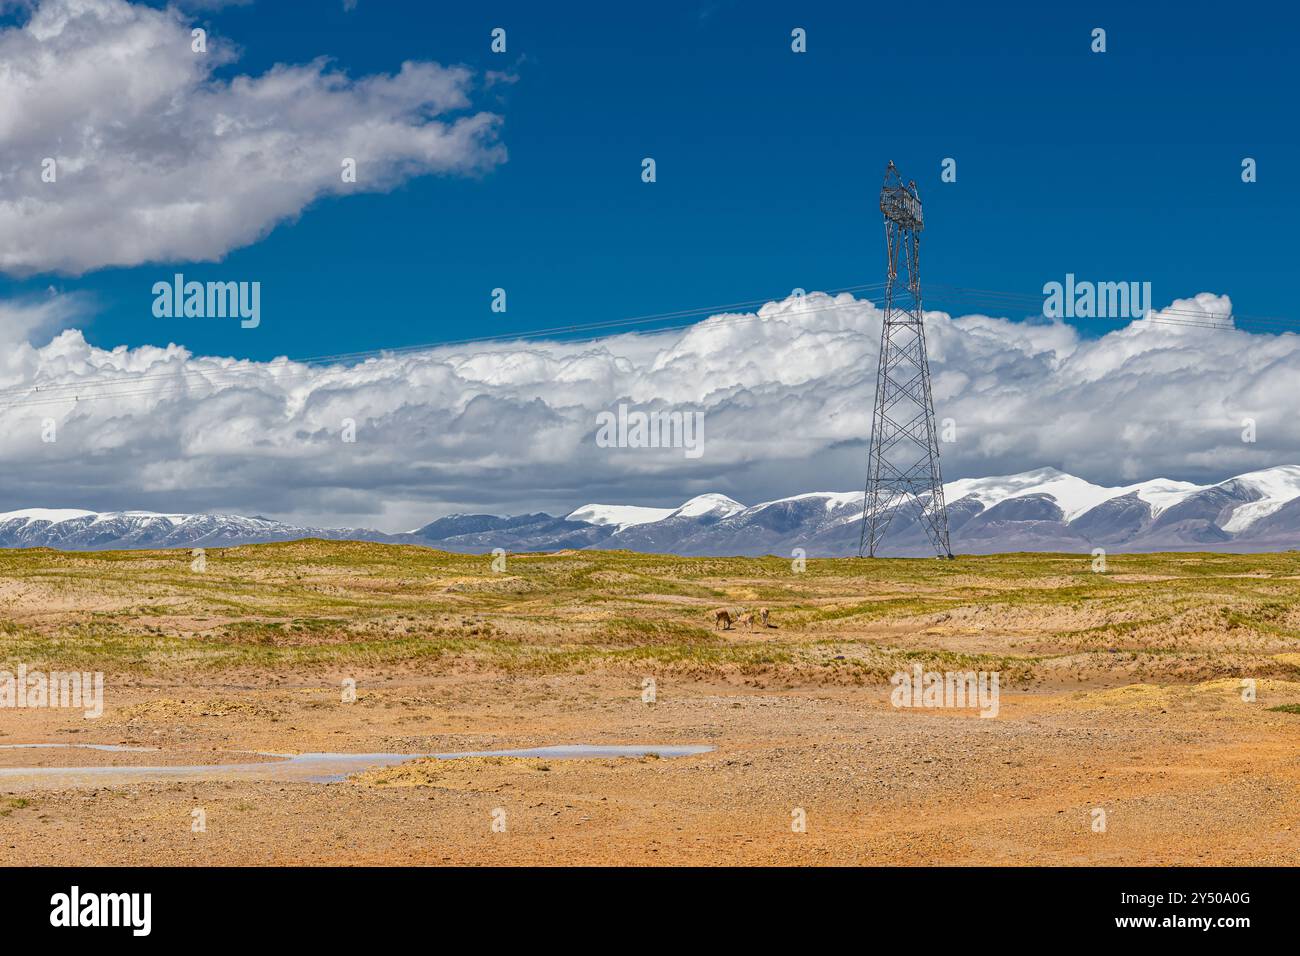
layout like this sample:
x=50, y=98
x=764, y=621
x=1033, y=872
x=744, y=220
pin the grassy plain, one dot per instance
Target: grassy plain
x=1121, y=691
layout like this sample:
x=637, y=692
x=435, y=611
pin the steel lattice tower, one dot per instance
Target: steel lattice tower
x=903, y=466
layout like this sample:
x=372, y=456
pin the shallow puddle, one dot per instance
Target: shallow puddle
x=113, y=748
x=294, y=768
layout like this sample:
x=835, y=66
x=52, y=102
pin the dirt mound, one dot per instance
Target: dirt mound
x=1162, y=696
x=462, y=773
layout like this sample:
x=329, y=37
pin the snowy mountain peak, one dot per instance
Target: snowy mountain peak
x=52, y=515
x=621, y=516
x=715, y=505
x=75, y=529
x=1161, y=493
x=831, y=499
x=1040, y=510
x=1276, y=486
x=1073, y=495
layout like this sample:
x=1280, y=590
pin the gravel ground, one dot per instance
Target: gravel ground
x=1184, y=774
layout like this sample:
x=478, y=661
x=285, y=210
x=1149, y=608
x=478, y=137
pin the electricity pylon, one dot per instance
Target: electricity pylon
x=903, y=465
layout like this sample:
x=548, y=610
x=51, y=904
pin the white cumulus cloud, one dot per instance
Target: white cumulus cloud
x=786, y=394
x=156, y=158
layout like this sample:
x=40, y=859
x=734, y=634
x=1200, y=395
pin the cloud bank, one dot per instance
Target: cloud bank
x=786, y=393
x=157, y=159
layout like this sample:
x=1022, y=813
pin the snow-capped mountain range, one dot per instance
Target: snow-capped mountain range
x=1040, y=510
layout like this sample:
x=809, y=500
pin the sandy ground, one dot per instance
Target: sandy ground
x=1184, y=775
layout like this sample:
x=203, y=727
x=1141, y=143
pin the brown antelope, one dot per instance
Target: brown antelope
x=722, y=618
x=747, y=619
x=762, y=615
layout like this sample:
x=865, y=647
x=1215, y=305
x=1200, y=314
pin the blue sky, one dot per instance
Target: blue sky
x=1123, y=165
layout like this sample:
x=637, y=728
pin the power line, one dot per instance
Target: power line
x=215, y=376
x=161, y=384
